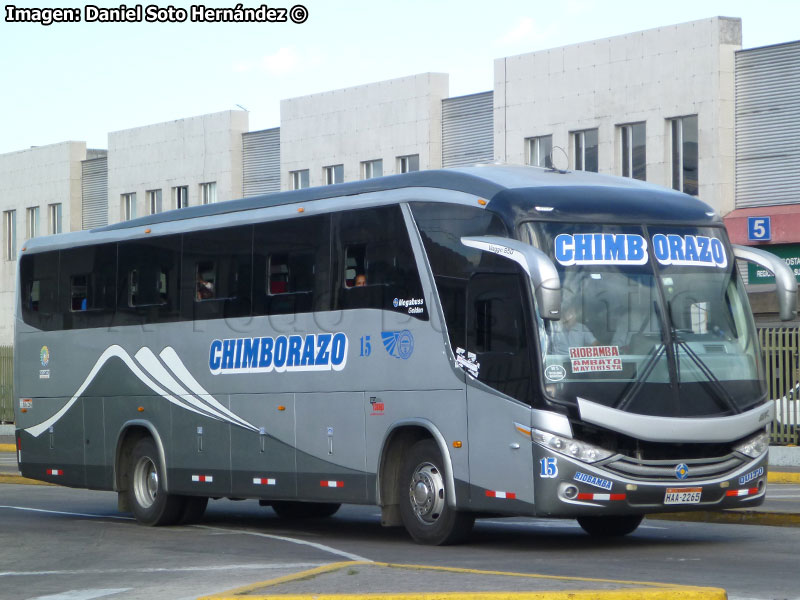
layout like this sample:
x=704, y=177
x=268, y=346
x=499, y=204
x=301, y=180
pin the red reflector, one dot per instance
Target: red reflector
x=601, y=497
x=331, y=483
x=506, y=495
x=747, y=492
x=55, y=472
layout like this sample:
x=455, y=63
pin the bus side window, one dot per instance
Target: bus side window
x=497, y=333
x=148, y=281
x=206, y=276
x=375, y=262
x=88, y=286
x=39, y=281
x=291, y=265
x=217, y=273
x=441, y=227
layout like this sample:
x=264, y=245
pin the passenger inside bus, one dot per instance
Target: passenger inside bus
x=205, y=285
x=569, y=331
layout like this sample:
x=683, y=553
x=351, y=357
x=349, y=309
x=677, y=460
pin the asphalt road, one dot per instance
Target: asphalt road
x=63, y=543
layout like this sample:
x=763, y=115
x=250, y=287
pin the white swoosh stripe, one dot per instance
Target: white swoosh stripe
x=119, y=352
x=173, y=361
x=150, y=363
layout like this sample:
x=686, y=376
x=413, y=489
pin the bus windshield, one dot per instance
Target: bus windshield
x=654, y=320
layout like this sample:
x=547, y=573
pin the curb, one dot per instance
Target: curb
x=20, y=480
x=638, y=590
x=734, y=516
x=782, y=477
x=8, y=448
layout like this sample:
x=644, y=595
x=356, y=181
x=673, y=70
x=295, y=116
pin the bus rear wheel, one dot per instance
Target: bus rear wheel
x=423, y=499
x=610, y=526
x=150, y=504
x=287, y=509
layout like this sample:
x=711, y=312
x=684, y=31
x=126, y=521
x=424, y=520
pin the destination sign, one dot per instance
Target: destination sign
x=631, y=249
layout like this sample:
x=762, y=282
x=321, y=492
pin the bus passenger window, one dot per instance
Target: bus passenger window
x=355, y=269
x=375, y=262
x=206, y=281
x=79, y=292
x=291, y=265
x=33, y=295
x=279, y=274
x=147, y=287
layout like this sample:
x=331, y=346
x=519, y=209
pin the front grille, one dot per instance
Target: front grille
x=665, y=470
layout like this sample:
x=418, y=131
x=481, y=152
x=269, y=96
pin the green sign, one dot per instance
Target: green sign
x=788, y=252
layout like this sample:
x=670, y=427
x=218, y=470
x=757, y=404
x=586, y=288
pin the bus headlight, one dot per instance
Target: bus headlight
x=755, y=446
x=573, y=448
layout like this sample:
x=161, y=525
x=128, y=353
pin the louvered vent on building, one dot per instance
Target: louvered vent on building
x=94, y=193
x=768, y=125
x=261, y=161
x=467, y=130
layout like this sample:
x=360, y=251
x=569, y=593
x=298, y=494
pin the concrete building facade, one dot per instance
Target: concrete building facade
x=649, y=77
x=354, y=128
x=190, y=161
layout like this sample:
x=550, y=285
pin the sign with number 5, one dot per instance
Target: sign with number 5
x=759, y=229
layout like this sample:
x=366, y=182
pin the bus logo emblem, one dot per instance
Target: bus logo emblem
x=399, y=344
x=682, y=471
x=44, y=356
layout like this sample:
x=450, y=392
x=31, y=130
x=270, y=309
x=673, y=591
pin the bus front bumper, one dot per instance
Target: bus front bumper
x=565, y=487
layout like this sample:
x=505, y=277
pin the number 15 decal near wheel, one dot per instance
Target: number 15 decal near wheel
x=549, y=467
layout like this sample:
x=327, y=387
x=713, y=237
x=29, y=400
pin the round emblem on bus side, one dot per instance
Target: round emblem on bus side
x=405, y=344
x=44, y=356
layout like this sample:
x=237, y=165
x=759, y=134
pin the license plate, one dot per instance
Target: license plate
x=683, y=496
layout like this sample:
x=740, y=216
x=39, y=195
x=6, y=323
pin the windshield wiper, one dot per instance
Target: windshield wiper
x=721, y=393
x=644, y=374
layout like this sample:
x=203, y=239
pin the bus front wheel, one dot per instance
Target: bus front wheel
x=610, y=526
x=146, y=497
x=423, y=499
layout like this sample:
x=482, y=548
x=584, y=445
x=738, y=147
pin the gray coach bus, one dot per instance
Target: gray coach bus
x=444, y=344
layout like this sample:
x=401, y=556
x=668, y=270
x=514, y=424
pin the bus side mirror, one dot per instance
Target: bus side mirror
x=784, y=277
x=540, y=269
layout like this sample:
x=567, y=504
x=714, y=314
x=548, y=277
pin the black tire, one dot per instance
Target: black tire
x=287, y=509
x=193, y=509
x=423, y=499
x=610, y=526
x=146, y=497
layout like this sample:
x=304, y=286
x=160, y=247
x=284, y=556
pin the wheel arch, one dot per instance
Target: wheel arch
x=130, y=433
x=400, y=436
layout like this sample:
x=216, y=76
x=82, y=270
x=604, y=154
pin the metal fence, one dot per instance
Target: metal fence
x=781, y=346
x=6, y=384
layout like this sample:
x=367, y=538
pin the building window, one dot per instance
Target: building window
x=407, y=164
x=585, y=143
x=634, y=155
x=208, y=192
x=333, y=174
x=54, y=218
x=128, y=206
x=154, y=203
x=32, y=222
x=180, y=196
x=299, y=179
x=540, y=151
x=10, y=226
x=684, y=155
x=372, y=168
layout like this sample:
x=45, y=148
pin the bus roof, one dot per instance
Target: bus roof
x=506, y=188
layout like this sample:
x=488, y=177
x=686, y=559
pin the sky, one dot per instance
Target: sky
x=80, y=81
